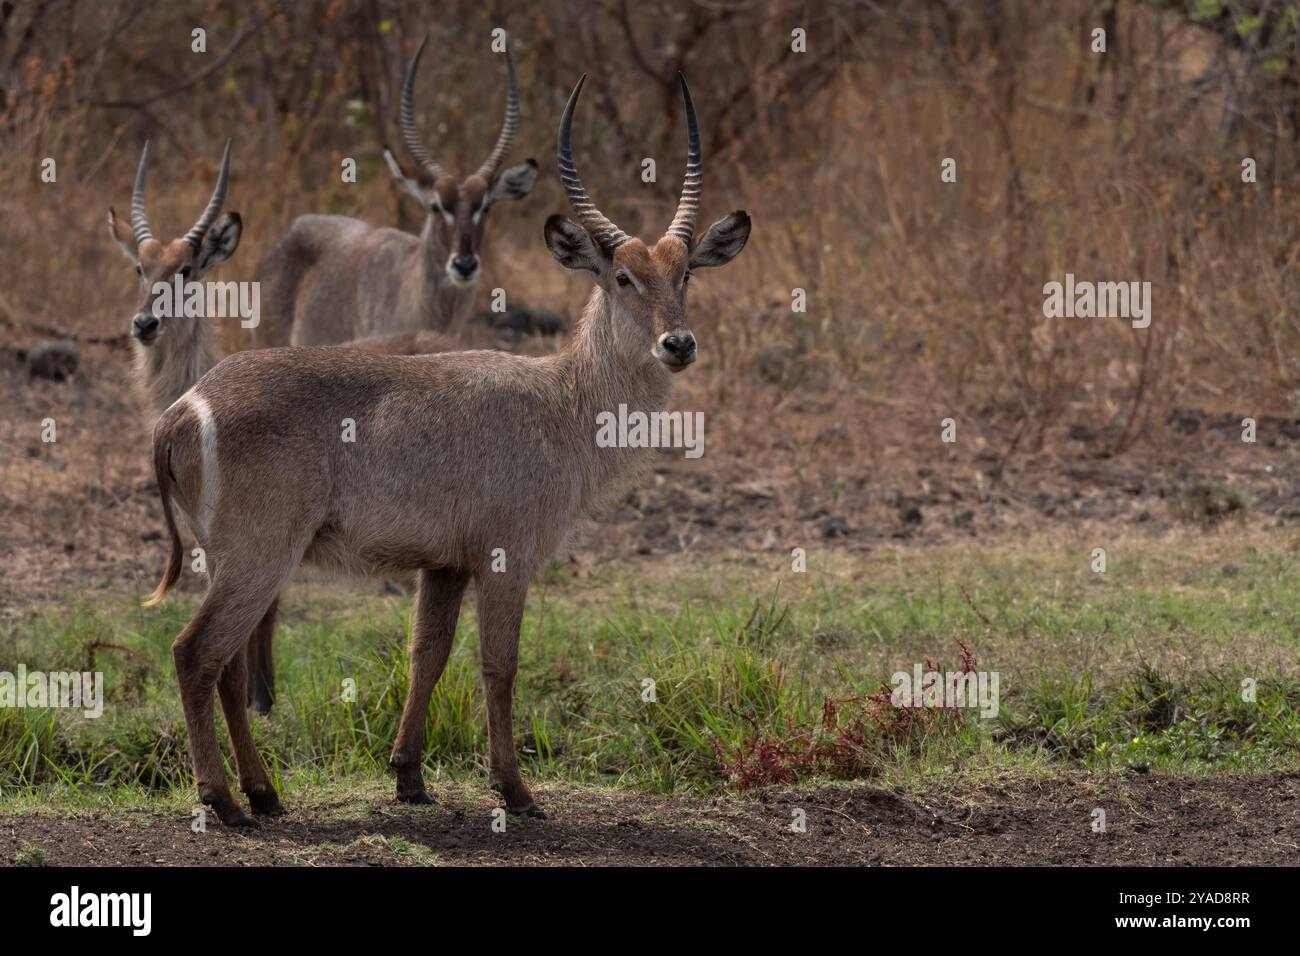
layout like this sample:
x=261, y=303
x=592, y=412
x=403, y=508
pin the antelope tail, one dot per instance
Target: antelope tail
x=162, y=474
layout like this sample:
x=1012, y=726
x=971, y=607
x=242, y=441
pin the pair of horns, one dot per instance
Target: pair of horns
x=608, y=235
x=140, y=223
x=411, y=136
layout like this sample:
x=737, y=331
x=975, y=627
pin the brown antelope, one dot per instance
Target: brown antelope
x=254, y=458
x=171, y=355
x=168, y=366
x=331, y=278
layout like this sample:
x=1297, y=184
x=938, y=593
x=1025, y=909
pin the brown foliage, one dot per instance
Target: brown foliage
x=924, y=297
x=857, y=735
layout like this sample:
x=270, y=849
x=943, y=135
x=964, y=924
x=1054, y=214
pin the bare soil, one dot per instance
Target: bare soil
x=1149, y=820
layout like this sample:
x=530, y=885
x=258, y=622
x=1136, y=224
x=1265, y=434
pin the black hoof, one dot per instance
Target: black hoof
x=522, y=809
x=420, y=797
x=232, y=816
x=266, y=804
x=228, y=811
x=260, y=698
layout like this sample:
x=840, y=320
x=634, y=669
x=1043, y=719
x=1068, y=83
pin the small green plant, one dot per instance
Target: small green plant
x=29, y=855
x=1207, y=501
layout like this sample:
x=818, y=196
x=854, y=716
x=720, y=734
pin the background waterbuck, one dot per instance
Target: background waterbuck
x=331, y=278
x=168, y=366
x=255, y=460
x=172, y=354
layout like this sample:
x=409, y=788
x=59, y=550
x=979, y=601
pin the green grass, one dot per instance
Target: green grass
x=1140, y=665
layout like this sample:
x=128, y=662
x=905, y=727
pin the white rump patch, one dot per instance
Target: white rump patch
x=208, y=441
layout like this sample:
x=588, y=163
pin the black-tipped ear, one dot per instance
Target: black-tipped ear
x=514, y=183
x=573, y=247
x=722, y=242
x=219, y=243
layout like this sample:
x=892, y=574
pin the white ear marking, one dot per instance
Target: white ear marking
x=410, y=185
x=128, y=249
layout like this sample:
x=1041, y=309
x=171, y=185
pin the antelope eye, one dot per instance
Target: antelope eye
x=139, y=270
x=686, y=278
x=623, y=280
x=185, y=272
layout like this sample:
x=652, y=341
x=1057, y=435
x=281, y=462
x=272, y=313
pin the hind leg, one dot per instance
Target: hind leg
x=218, y=632
x=437, y=607
x=253, y=778
x=261, y=664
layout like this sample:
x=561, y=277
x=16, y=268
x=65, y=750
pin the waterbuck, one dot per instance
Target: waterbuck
x=257, y=459
x=167, y=367
x=331, y=278
x=172, y=354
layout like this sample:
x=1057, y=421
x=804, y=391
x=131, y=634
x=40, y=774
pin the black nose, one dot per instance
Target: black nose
x=465, y=265
x=145, y=325
x=680, y=345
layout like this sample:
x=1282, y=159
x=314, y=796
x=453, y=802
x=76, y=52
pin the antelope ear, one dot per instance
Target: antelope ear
x=722, y=242
x=122, y=236
x=573, y=248
x=411, y=178
x=514, y=183
x=219, y=243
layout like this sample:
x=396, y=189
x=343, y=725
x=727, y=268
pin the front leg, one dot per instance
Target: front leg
x=500, y=613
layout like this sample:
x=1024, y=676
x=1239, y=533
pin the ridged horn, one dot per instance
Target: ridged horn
x=688, y=207
x=608, y=235
x=139, y=223
x=508, y=128
x=195, y=236
x=410, y=135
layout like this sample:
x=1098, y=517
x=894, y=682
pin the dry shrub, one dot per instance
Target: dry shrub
x=924, y=297
x=856, y=736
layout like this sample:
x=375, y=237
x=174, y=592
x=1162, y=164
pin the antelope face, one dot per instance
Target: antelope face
x=458, y=209
x=211, y=241
x=650, y=285
x=646, y=285
x=157, y=264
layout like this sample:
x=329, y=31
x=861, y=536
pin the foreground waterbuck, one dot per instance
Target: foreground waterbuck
x=257, y=458
x=331, y=278
x=173, y=353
